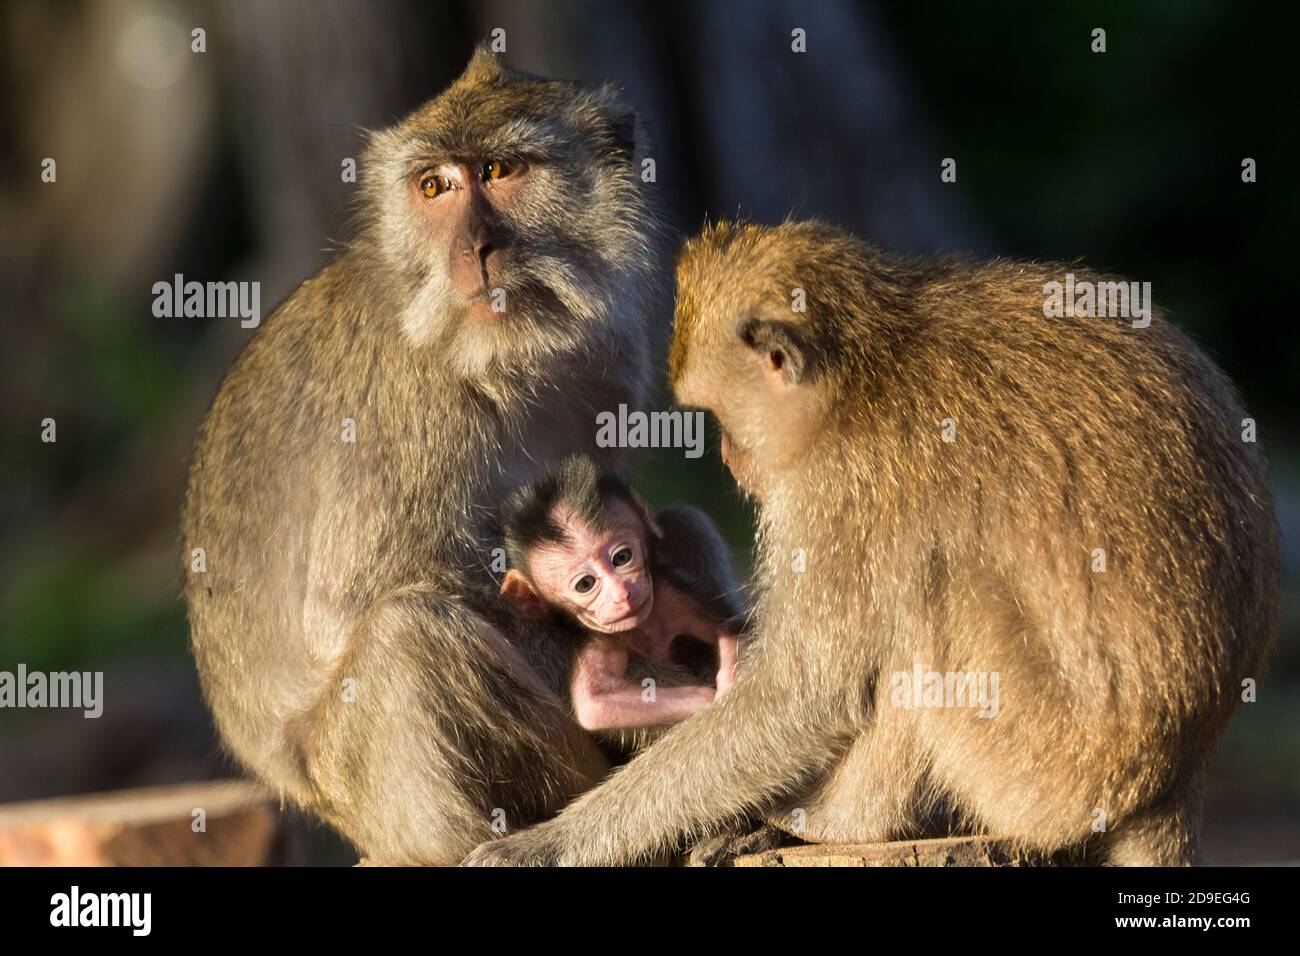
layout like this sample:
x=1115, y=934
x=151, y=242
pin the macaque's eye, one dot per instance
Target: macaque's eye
x=434, y=185
x=496, y=169
x=621, y=557
x=584, y=584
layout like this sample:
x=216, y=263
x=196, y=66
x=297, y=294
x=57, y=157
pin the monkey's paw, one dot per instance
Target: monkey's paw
x=723, y=848
x=521, y=849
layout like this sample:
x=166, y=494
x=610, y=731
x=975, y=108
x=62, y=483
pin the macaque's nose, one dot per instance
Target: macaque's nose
x=482, y=250
x=477, y=248
x=483, y=246
x=616, y=593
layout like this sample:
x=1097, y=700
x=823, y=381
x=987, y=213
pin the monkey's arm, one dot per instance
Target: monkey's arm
x=604, y=699
x=715, y=768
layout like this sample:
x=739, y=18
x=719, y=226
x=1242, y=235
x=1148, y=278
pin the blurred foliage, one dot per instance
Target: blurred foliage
x=1131, y=159
x=62, y=608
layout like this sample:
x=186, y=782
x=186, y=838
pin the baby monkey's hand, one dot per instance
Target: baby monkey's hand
x=728, y=649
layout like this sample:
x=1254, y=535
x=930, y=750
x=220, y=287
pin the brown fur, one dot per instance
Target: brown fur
x=329, y=561
x=1072, y=434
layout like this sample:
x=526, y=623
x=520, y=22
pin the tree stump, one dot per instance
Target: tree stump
x=950, y=851
x=149, y=827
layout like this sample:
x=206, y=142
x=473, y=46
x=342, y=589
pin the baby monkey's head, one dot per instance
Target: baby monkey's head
x=579, y=542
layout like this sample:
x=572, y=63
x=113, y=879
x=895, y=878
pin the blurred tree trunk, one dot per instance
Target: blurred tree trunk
x=741, y=124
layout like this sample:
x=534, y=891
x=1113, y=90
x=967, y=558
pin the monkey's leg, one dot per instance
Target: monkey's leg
x=1155, y=838
x=872, y=794
x=442, y=736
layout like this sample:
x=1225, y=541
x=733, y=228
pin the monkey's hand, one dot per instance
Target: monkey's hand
x=526, y=848
x=722, y=849
x=728, y=652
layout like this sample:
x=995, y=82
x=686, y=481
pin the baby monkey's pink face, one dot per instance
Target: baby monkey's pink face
x=601, y=577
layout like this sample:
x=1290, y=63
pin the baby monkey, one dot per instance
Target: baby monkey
x=584, y=547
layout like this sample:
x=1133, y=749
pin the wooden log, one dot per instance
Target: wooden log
x=149, y=827
x=950, y=851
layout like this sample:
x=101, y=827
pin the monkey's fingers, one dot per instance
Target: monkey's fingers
x=723, y=848
x=727, y=657
x=521, y=849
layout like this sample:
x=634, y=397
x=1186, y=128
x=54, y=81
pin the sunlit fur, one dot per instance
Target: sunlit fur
x=1071, y=435
x=346, y=629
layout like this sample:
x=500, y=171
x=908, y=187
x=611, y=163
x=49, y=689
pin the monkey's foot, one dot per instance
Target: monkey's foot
x=722, y=849
x=526, y=848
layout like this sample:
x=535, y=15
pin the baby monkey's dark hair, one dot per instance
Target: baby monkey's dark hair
x=527, y=514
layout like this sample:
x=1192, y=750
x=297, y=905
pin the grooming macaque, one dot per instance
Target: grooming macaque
x=584, y=546
x=347, y=629
x=889, y=540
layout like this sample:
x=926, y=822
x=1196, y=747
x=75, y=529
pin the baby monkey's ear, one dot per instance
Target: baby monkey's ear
x=518, y=592
x=648, y=517
x=782, y=348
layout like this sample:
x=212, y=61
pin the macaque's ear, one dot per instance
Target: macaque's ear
x=620, y=119
x=624, y=127
x=781, y=347
x=518, y=592
x=483, y=66
x=648, y=516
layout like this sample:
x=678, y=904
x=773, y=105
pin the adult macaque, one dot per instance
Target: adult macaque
x=346, y=625
x=950, y=481
x=583, y=545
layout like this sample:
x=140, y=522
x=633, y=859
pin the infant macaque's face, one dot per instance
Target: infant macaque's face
x=600, y=577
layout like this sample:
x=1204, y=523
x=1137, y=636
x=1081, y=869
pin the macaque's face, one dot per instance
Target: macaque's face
x=740, y=463
x=469, y=203
x=510, y=214
x=742, y=352
x=601, y=578
x=768, y=423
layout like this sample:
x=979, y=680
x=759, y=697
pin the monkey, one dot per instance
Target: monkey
x=583, y=545
x=496, y=293
x=947, y=481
